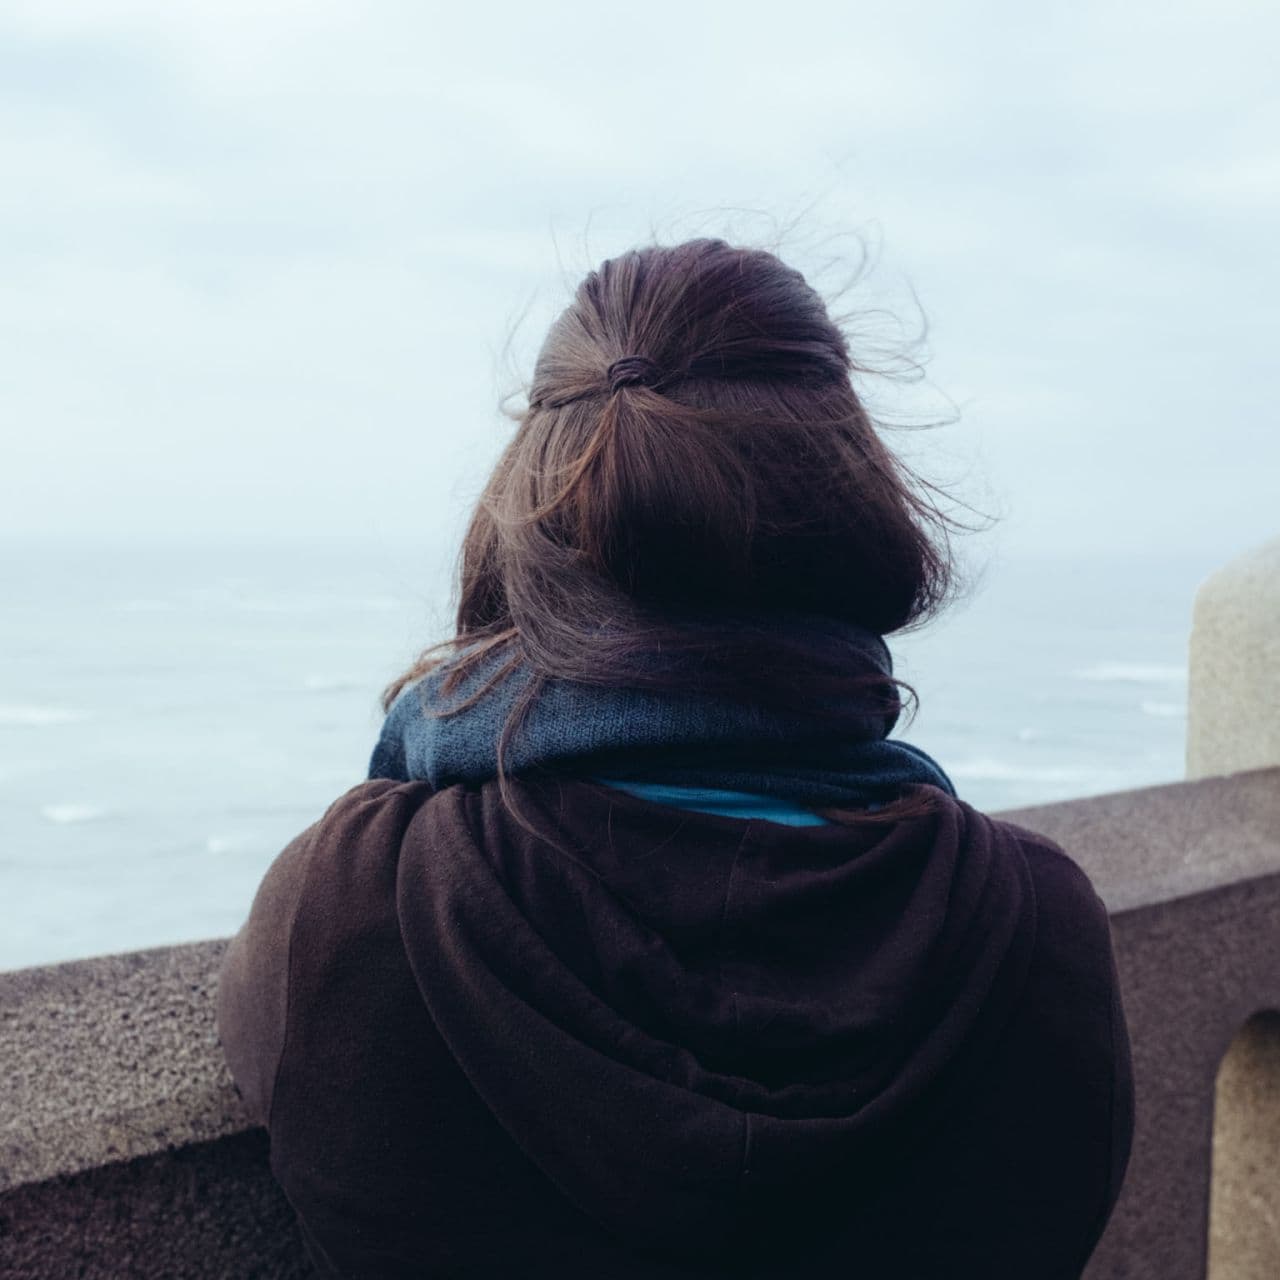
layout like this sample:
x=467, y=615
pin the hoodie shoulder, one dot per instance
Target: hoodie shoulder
x=1062, y=884
x=1073, y=928
x=1074, y=996
x=323, y=887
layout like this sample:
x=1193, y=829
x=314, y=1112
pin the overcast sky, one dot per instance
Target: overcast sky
x=259, y=260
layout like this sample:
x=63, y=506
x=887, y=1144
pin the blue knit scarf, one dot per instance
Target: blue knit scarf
x=678, y=738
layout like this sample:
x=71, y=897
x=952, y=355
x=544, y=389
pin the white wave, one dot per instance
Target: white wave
x=987, y=769
x=1166, y=710
x=144, y=606
x=1133, y=673
x=224, y=844
x=62, y=814
x=329, y=684
x=344, y=778
x=317, y=604
x=38, y=717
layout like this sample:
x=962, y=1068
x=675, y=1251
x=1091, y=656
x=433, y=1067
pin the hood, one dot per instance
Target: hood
x=687, y=1021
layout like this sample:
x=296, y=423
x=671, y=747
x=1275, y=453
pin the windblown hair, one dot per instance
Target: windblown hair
x=730, y=470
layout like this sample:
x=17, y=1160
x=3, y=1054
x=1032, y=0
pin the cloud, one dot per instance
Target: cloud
x=260, y=259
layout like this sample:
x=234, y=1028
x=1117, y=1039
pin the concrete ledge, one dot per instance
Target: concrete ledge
x=111, y=1058
x=1191, y=875
x=1157, y=844
x=208, y=1211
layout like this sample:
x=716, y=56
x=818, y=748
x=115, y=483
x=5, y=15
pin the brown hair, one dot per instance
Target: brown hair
x=693, y=448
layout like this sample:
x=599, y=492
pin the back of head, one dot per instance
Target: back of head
x=745, y=472
x=693, y=447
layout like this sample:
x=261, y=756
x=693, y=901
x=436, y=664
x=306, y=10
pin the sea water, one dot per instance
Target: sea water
x=170, y=718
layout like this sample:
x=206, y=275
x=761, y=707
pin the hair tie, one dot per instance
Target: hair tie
x=632, y=371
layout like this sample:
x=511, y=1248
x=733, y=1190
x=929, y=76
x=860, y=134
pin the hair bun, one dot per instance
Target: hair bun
x=632, y=371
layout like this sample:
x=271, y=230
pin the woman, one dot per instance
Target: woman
x=644, y=951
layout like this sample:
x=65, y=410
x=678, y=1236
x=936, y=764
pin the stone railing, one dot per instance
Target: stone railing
x=124, y=1151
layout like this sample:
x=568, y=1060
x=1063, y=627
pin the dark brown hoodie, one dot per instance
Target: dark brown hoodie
x=662, y=1043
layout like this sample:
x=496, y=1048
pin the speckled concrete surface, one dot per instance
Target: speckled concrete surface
x=111, y=1058
x=205, y=1212
x=1234, y=724
x=1191, y=873
x=1244, y=1208
x=1233, y=705
x=1158, y=843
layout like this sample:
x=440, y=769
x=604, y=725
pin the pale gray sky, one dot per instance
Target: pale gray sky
x=259, y=259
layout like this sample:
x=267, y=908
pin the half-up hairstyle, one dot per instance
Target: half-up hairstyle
x=693, y=450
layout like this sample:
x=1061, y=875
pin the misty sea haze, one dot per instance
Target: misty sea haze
x=171, y=718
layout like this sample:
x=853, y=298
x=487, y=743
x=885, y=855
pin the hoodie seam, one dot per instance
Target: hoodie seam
x=744, y=1156
x=287, y=1030
x=724, y=928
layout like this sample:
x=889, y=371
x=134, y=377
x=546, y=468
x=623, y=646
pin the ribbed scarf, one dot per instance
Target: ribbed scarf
x=683, y=738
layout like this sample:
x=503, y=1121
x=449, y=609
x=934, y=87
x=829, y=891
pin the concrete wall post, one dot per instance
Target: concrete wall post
x=1234, y=724
x=1233, y=713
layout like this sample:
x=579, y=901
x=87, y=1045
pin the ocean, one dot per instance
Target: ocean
x=170, y=718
